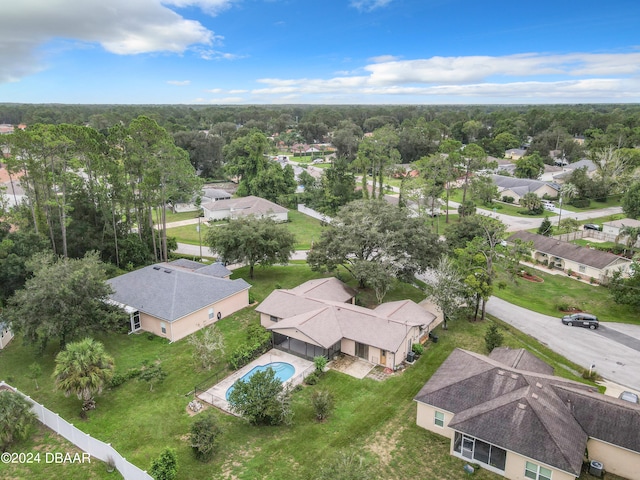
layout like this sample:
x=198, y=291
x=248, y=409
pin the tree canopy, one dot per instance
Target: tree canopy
x=251, y=240
x=262, y=399
x=374, y=231
x=64, y=299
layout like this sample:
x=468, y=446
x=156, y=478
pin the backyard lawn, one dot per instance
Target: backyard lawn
x=305, y=228
x=373, y=419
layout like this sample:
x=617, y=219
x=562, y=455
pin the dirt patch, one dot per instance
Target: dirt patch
x=531, y=278
x=381, y=447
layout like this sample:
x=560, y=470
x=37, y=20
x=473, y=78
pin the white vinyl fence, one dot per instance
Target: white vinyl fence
x=96, y=448
x=313, y=213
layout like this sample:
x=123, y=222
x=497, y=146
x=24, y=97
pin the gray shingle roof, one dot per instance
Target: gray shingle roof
x=524, y=185
x=246, y=206
x=521, y=359
x=569, y=251
x=215, y=269
x=508, y=407
x=329, y=288
x=170, y=293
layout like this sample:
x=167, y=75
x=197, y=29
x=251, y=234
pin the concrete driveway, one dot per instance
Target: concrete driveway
x=614, y=348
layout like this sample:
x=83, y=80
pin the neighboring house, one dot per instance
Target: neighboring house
x=318, y=318
x=583, y=261
x=571, y=167
x=5, y=335
x=176, y=299
x=515, y=153
x=207, y=195
x=614, y=227
x=244, y=206
x=508, y=413
x=519, y=187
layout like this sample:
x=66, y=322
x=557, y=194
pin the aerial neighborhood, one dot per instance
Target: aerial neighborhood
x=315, y=292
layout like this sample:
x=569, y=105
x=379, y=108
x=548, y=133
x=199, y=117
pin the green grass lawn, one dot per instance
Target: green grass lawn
x=177, y=217
x=374, y=419
x=306, y=230
x=499, y=207
x=559, y=290
x=613, y=201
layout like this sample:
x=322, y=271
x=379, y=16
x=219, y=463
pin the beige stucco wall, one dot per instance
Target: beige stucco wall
x=348, y=346
x=546, y=190
x=515, y=465
x=5, y=337
x=189, y=324
x=297, y=334
x=265, y=320
x=425, y=419
x=619, y=461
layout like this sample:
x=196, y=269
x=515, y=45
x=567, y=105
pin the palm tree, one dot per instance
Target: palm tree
x=83, y=368
x=632, y=234
x=567, y=192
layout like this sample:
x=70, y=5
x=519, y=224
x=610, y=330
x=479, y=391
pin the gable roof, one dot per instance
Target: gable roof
x=517, y=185
x=215, y=193
x=215, y=269
x=511, y=408
x=551, y=246
x=250, y=205
x=317, y=309
x=329, y=288
x=521, y=359
x=170, y=293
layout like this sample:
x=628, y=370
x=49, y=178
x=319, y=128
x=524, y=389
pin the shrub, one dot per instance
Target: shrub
x=417, y=348
x=205, y=433
x=322, y=402
x=117, y=380
x=311, y=379
x=346, y=466
x=507, y=199
x=493, y=338
x=165, y=467
x=16, y=418
x=257, y=342
x=580, y=202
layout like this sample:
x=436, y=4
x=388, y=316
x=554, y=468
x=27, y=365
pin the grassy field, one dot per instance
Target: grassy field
x=373, y=419
x=306, y=230
x=177, y=217
x=560, y=291
x=612, y=201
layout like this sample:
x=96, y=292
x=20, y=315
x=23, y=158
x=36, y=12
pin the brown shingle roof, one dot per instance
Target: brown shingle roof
x=568, y=251
x=508, y=407
x=329, y=288
x=246, y=206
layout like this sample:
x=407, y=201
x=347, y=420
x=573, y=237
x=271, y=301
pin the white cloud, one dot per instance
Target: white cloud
x=179, y=83
x=533, y=76
x=123, y=27
x=226, y=100
x=235, y=92
x=214, y=90
x=369, y=5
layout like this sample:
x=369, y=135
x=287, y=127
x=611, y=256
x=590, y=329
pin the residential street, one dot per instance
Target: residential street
x=614, y=348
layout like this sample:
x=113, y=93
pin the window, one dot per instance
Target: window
x=273, y=319
x=211, y=314
x=163, y=328
x=136, y=321
x=536, y=472
x=582, y=269
x=439, y=419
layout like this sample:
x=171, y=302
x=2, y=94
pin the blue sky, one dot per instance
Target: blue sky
x=320, y=51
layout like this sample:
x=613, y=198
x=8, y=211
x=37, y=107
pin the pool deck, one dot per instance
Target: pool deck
x=216, y=395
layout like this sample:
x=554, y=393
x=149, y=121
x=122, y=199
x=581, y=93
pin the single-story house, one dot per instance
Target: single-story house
x=568, y=169
x=207, y=195
x=318, y=318
x=5, y=335
x=615, y=226
x=176, y=299
x=508, y=413
x=515, y=153
x=519, y=187
x=583, y=261
x=244, y=206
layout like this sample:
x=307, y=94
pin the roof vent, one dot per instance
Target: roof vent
x=534, y=395
x=500, y=372
x=514, y=376
x=538, y=384
x=522, y=406
x=167, y=271
x=156, y=268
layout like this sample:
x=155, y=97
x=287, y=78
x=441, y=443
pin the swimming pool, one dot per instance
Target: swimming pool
x=284, y=371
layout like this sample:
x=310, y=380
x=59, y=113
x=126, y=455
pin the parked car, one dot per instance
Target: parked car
x=629, y=397
x=581, y=320
x=591, y=226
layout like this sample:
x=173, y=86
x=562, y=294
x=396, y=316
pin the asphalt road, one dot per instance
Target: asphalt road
x=614, y=348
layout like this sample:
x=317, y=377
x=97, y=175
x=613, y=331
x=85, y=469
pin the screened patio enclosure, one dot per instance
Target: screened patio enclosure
x=303, y=349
